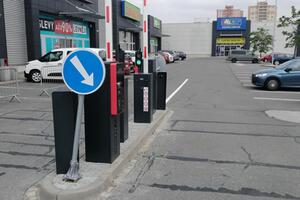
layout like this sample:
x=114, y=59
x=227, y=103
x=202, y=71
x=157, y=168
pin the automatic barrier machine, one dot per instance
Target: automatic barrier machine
x=102, y=117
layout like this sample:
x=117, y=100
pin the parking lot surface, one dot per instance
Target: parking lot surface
x=219, y=144
x=26, y=135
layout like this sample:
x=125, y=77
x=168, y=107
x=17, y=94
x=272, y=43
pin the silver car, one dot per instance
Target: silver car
x=242, y=55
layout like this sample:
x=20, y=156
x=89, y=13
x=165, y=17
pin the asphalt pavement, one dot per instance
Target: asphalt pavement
x=26, y=135
x=219, y=143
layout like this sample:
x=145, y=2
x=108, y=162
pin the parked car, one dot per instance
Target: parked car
x=52, y=62
x=266, y=58
x=284, y=75
x=281, y=58
x=130, y=54
x=242, y=55
x=173, y=53
x=181, y=54
x=168, y=57
x=129, y=65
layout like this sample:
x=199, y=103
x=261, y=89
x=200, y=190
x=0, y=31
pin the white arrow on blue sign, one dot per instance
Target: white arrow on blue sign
x=83, y=72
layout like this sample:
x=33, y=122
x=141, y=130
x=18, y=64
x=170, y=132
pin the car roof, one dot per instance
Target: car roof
x=74, y=49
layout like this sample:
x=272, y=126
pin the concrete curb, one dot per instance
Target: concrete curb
x=97, y=177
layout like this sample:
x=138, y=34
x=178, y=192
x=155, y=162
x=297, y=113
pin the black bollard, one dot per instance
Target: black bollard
x=64, y=119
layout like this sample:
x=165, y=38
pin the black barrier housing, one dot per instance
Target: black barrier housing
x=64, y=119
x=161, y=90
x=124, y=114
x=102, y=127
x=152, y=70
x=143, y=108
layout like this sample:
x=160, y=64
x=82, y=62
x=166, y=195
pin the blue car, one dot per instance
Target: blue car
x=282, y=76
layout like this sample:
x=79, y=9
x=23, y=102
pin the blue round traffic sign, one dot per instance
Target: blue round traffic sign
x=83, y=72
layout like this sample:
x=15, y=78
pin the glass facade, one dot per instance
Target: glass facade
x=63, y=33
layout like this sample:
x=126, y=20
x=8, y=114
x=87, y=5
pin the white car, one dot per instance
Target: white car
x=170, y=57
x=49, y=66
x=131, y=54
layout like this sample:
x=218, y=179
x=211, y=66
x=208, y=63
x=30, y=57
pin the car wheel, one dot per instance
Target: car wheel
x=255, y=61
x=233, y=60
x=35, y=76
x=277, y=62
x=272, y=84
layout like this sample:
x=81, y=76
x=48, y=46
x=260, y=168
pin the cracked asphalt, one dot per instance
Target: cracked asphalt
x=219, y=144
x=27, y=140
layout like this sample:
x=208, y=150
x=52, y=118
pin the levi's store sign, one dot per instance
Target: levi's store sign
x=65, y=27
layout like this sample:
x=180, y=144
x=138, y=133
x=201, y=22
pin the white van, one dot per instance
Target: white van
x=130, y=54
x=49, y=66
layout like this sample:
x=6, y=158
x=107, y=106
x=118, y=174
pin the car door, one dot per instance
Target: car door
x=294, y=75
x=291, y=75
x=248, y=56
x=243, y=56
x=52, y=69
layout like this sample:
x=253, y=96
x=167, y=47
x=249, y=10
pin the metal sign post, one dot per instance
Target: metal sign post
x=83, y=73
x=145, y=36
x=109, y=30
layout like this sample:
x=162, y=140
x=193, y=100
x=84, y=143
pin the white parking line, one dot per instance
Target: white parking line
x=276, y=99
x=248, y=85
x=243, y=74
x=275, y=92
x=246, y=80
x=176, y=91
x=243, y=77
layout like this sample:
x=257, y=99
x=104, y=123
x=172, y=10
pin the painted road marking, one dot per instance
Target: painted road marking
x=277, y=99
x=176, y=91
x=275, y=92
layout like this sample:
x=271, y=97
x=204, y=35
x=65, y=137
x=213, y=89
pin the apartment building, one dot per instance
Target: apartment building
x=262, y=11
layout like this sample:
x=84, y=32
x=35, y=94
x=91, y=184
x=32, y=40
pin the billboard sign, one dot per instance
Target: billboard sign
x=231, y=23
x=131, y=11
x=156, y=23
x=65, y=27
x=231, y=40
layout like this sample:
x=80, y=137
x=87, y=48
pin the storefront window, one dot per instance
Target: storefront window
x=58, y=33
x=153, y=45
x=126, y=40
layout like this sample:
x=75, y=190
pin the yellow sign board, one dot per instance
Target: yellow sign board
x=236, y=40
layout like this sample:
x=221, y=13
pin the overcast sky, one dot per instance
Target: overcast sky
x=174, y=11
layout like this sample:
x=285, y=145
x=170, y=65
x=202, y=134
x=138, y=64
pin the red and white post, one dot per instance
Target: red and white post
x=109, y=30
x=145, y=36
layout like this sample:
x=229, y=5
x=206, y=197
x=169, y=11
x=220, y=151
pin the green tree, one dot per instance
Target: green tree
x=293, y=36
x=261, y=41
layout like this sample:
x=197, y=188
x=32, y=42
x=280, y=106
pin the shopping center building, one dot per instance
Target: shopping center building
x=31, y=28
x=127, y=27
x=35, y=27
x=230, y=33
x=204, y=39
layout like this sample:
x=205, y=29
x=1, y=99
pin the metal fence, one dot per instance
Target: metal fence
x=51, y=79
x=9, y=84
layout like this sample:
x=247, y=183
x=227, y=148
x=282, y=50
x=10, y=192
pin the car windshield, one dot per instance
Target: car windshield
x=286, y=64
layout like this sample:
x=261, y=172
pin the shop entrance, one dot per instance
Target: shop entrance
x=223, y=50
x=127, y=40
